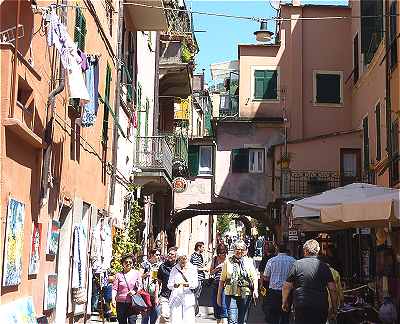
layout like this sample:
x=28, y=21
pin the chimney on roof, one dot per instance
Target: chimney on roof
x=296, y=3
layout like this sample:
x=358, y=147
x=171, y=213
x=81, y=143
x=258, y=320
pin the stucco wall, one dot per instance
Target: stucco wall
x=198, y=191
x=248, y=187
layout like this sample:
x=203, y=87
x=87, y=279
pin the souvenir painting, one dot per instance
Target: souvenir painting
x=50, y=292
x=52, y=237
x=12, y=265
x=34, y=256
x=19, y=311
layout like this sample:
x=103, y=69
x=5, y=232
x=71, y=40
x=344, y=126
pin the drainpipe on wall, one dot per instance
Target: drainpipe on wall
x=156, y=111
x=48, y=135
x=388, y=95
x=117, y=101
x=14, y=76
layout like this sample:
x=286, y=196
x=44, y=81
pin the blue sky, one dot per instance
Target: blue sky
x=219, y=42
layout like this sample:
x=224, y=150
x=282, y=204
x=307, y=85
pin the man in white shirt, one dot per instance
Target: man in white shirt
x=275, y=275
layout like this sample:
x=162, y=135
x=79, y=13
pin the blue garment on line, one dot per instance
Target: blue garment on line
x=92, y=84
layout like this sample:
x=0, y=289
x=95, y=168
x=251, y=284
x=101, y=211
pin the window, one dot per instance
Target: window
x=395, y=151
x=205, y=165
x=366, y=143
x=378, y=131
x=106, y=105
x=109, y=14
x=256, y=161
x=328, y=87
x=393, y=34
x=266, y=84
x=80, y=29
x=200, y=160
x=371, y=27
x=355, y=59
x=247, y=160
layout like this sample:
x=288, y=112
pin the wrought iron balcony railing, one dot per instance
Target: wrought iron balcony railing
x=300, y=183
x=153, y=153
x=179, y=145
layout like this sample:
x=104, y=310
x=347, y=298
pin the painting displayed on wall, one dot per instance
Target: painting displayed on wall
x=50, y=291
x=18, y=312
x=52, y=237
x=34, y=255
x=12, y=265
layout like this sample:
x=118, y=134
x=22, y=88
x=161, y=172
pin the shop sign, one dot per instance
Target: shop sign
x=179, y=185
x=293, y=235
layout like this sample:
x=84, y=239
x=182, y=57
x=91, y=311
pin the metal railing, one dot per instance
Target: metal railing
x=179, y=145
x=228, y=105
x=153, y=153
x=300, y=183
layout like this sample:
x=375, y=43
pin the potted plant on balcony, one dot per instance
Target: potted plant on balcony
x=285, y=159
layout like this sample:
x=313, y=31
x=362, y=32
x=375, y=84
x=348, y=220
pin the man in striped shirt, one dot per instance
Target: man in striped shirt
x=275, y=274
x=197, y=260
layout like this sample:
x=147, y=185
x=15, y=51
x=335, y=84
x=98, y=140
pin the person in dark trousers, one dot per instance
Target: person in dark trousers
x=163, y=276
x=309, y=279
x=197, y=260
x=275, y=274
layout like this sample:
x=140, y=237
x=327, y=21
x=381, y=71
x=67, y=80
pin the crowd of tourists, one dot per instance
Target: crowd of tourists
x=304, y=291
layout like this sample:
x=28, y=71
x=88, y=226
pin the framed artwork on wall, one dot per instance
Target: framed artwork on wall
x=34, y=256
x=14, y=240
x=50, y=291
x=53, y=235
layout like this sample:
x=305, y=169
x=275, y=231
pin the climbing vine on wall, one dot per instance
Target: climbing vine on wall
x=127, y=240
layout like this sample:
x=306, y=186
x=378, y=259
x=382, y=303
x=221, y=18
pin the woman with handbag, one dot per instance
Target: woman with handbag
x=240, y=283
x=220, y=312
x=182, y=281
x=125, y=286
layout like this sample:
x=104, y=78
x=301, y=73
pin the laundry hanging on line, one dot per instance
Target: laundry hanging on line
x=92, y=83
x=57, y=35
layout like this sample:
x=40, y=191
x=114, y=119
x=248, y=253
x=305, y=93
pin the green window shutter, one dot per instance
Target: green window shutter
x=266, y=84
x=371, y=28
x=138, y=108
x=240, y=160
x=106, y=104
x=80, y=29
x=146, y=120
x=328, y=88
x=258, y=84
x=193, y=157
x=270, y=85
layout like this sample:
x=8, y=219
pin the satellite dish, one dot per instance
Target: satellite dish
x=275, y=4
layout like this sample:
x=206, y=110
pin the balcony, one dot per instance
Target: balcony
x=229, y=105
x=154, y=158
x=298, y=183
x=145, y=15
x=23, y=119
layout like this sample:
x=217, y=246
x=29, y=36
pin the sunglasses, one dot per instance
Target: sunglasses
x=127, y=262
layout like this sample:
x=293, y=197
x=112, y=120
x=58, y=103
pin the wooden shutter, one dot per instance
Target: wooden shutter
x=258, y=84
x=378, y=131
x=193, y=160
x=366, y=143
x=80, y=29
x=265, y=84
x=240, y=160
x=393, y=34
x=106, y=104
x=328, y=88
x=270, y=84
x=355, y=59
x=371, y=27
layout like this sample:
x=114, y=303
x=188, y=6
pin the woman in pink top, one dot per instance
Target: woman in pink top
x=126, y=283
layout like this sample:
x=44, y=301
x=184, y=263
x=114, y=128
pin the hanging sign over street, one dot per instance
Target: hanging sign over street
x=179, y=185
x=293, y=235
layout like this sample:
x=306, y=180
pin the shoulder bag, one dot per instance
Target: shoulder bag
x=137, y=302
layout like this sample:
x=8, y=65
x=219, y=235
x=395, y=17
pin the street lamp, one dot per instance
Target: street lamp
x=263, y=35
